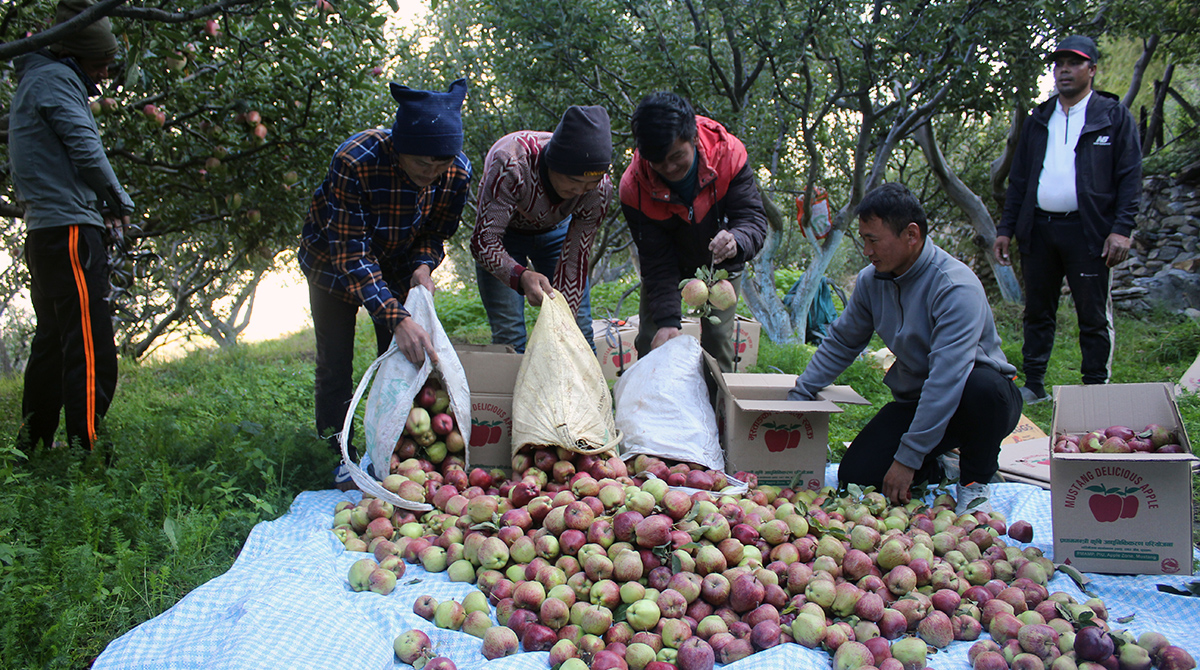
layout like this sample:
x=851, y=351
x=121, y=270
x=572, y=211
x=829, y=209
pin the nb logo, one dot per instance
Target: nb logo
x=1102, y=141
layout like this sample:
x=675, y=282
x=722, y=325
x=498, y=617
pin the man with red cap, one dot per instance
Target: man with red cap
x=72, y=200
x=376, y=227
x=542, y=198
x=1073, y=192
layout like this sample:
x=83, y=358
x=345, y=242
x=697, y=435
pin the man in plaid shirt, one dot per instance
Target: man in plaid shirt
x=376, y=227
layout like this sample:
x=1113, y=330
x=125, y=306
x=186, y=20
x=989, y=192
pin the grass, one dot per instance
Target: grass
x=206, y=446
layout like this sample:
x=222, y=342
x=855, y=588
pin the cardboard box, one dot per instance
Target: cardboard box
x=745, y=336
x=763, y=433
x=491, y=374
x=1025, y=430
x=614, y=346
x=1026, y=461
x=1121, y=513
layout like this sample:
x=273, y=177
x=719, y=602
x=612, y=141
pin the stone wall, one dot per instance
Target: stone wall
x=1163, y=270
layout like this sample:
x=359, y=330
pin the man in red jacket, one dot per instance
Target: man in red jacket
x=691, y=201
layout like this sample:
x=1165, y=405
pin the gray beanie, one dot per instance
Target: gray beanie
x=96, y=40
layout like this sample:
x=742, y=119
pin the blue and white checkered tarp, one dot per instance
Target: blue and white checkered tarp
x=286, y=603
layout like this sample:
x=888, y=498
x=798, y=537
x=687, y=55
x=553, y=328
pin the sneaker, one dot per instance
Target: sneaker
x=341, y=478
x=1031, y=397
x=966, y=496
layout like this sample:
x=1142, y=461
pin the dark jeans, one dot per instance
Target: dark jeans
x=72, y=358
x=988, y=412
x=333, y=323
x=505, y=307
x=1057, y=250
x=716, y=339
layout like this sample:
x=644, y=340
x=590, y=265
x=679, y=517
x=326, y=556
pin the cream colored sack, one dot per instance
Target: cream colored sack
x=561, y=398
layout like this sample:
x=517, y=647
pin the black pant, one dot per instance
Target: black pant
x=988, y=412
x=72, y=358
x=333, y=323
x=1057, y=249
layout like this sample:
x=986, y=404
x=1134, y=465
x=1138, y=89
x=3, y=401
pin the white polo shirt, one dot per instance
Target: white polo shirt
x=1056, y=185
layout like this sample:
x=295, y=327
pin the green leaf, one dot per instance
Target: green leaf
x=1081, y=580
x=172, y=532
x=394, y=5
x=1192, y=589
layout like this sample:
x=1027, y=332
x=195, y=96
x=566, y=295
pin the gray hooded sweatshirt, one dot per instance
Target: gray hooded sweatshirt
x=61, y=173
x=936, y=320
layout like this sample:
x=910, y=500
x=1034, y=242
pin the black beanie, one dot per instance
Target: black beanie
x=582, y=143
x=96, y=40
x=429, y=123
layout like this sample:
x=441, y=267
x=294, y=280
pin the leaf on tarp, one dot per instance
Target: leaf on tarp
x=412, y=581
x=1191, y=589
x=1078, y=577
x=1126, y=619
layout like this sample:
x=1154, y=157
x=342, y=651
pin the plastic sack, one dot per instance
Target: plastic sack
x=663, y=407
x=396, y=382
x=561, y=398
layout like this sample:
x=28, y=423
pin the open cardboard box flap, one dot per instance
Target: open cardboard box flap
x=768, y=392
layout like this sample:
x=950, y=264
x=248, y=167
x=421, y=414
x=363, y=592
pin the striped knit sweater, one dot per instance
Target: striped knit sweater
x=513, y=194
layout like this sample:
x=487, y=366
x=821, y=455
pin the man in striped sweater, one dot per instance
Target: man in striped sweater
x=541, y=201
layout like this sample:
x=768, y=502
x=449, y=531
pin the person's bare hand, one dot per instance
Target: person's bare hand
x=536, y=287
x=664, y=334
x=723, y=246
x=116, y=225
x=414, y=342
x=1116, y=249
x=897, y=483
x=423, y=276
x=1000, y=247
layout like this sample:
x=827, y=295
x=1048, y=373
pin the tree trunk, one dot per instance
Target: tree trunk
x=973, y=207
x=1154, y=128
x=758, y=285
x=1139, y=71
x=1000, y=167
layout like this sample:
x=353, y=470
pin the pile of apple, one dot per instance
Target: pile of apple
x=618, y=574
x=680, y=473
x=1120, y=440
x=430, y=432
x=552, y=469
x=605, y=570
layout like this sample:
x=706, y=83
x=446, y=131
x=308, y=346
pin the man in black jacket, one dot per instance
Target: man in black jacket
x=1072, y=196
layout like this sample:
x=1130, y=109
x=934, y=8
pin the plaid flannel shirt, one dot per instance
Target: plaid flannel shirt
x=369, y=226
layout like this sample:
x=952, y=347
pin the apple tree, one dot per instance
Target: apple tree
x=835, y=94
x=220, y=122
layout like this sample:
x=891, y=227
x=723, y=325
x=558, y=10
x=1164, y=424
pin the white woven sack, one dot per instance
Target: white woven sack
x=561, y=398
x=663, y=407
x=397, y=382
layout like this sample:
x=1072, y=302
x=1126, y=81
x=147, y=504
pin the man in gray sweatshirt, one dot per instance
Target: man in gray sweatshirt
x=951, y=384
x=71, y=199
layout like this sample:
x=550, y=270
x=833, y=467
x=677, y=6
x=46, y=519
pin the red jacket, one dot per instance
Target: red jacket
x=672, y=238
